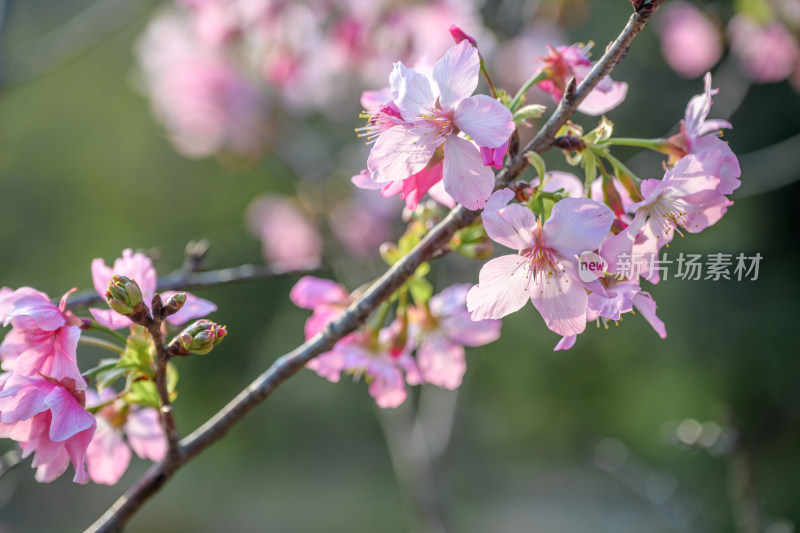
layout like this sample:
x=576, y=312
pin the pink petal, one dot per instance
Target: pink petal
x=577, y=225
x=555, y=180
x=501, y=289
x=402, y=151
x=599, y=102
x=441, y=362
x=363, y=180
x=101, y=274
x=310, y=291
x=107, y=456
x=484, y=119
x=36, y=306
x=511, y=225
x=414, y=96
x=566, y=343
x=645, y=304
x=69, y=418
x=52, y=470
x=145, y=435
x=465, y=178
x=388, y=387
x=109, y=318
x=561, y=300
x=328, y=365
x=456, y=74
x=23, y=397
x=194, y=307
x=76, y=448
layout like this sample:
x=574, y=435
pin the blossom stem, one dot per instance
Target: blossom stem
x=92, y=372
x=97, y=327
x=653, y=144
x=101, y=343
x=533, y=80
x=438, y=238
x=621, y=166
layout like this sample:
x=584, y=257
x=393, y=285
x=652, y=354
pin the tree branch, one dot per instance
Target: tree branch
x=115, y=518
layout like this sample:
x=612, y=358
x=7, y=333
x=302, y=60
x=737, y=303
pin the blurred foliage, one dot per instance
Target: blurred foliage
x=85, y=171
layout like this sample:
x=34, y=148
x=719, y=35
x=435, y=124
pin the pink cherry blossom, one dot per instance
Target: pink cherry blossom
x=565, y=62
x=688, y=196
x=767, y=53
x=434, y=109
x=442, y=330
x=700, y=135
x=289, y=239
x=44, y=337
x=205, y=102
x=546, y=270
x=363, y=222
x=613, y=298
x=108, y=454
x=48, y=419
x=138, y=267
x=690, y=42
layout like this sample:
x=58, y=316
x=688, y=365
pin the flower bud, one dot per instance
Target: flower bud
x=459, y=35
x=198, y=338
x=174, y=303
x=123, y=295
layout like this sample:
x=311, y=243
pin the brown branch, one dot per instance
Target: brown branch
x=162, y=358
x=115, y=518
x=185, y=280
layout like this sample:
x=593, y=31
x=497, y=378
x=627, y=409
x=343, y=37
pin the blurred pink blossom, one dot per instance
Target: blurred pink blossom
x=289, y=239
x=108, y=454
x=565, y=62
x=768, y=53
x=690, y=42
x=442, y=329
x=206, y=104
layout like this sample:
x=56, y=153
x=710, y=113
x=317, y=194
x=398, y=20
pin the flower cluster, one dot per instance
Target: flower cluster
x=553, y=250
x=46, y=404
x=762, y=36
x=424, y=344
x=210, y=66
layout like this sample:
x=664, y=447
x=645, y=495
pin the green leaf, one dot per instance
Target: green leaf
x=537, y=163
x=529, y=111
x=421, y=290
x=143, y=393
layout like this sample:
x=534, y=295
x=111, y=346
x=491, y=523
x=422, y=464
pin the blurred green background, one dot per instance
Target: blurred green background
x=543, y=441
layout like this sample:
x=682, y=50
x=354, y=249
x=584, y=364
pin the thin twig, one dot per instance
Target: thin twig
x=115, y=518
x=183, y=280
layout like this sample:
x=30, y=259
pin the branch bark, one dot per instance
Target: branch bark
x=115, y=518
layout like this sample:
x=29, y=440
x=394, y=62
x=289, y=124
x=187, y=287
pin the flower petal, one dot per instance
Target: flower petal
x=561, y=300
x=456, y=74
x=412, y=90
x=107, y=456
x=465, y=178
x=69, y=417
x=484, y=119
x=401, y=152
x=577, y=225
x=501, y=289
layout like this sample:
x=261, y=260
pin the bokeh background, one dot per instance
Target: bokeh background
x=601, y=438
